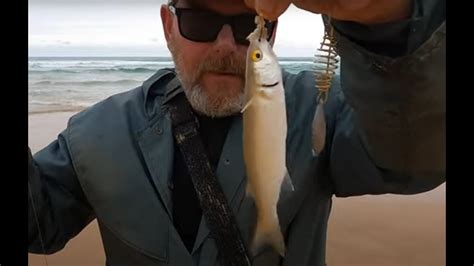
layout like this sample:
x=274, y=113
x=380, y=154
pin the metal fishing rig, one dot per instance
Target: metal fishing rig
x=325, y=65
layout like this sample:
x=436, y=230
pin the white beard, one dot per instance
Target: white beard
x=197, y=96
x=213, y=107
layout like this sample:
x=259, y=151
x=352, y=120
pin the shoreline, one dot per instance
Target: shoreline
x=59, y=109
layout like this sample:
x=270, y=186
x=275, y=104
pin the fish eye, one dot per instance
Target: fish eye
x=256, y=55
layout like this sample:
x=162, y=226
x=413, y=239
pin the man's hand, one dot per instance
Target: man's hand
x=269, y=9
x=361, y=11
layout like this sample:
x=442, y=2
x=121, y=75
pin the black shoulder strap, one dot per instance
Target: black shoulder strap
x=214, y=205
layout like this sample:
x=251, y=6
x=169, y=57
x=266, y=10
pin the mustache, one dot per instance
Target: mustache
x=229, y=64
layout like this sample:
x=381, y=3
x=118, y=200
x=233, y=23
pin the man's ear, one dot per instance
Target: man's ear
x=166, y=21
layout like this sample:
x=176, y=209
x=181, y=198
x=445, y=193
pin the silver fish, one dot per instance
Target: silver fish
x=264, y=138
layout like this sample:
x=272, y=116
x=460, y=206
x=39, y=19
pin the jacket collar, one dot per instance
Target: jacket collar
x=158, y=90
x=159, y=151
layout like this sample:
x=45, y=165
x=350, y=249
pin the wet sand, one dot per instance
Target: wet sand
x=385, y=230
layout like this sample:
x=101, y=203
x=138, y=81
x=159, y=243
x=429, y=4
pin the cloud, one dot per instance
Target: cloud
x=97, y=51
x=63, y=42
x=137, y=27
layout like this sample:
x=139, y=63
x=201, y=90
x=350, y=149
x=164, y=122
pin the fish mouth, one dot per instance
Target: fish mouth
x=270, y=85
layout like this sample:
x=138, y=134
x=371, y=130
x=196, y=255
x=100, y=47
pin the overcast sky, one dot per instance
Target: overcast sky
x=133, y=28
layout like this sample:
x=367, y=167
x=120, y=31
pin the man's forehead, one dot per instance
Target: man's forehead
x=214, y=4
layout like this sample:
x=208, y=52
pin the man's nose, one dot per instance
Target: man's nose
x=225, y=38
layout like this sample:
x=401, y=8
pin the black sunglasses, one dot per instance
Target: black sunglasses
x=200, y=25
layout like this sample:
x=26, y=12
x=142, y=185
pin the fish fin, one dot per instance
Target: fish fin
x=287, y=183
x=268, y=232
x=247, y=105
x=319, y=130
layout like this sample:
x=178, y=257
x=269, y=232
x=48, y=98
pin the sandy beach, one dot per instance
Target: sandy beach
x=383, y=230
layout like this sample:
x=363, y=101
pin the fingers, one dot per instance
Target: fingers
x=269, y=9
x=250, y=3
x=316, y=6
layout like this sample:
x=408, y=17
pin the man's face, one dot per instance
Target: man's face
x=212, y=73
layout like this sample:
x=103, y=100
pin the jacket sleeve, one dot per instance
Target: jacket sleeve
x=389, y=133
x=57, y=207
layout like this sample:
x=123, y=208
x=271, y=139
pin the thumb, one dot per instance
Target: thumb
x=269, y=9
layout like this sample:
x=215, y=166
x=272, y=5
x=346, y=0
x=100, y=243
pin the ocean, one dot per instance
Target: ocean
x=73, y=83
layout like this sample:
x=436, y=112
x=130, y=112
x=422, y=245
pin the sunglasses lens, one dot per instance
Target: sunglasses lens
x=199, y=26
x=204, y=26
x=242, y=26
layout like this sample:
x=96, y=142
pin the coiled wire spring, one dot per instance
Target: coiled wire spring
x=325, y=63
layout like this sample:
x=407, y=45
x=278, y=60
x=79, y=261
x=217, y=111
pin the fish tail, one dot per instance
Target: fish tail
x=268, y=232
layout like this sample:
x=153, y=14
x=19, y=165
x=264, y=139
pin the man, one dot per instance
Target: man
x=117, y=161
